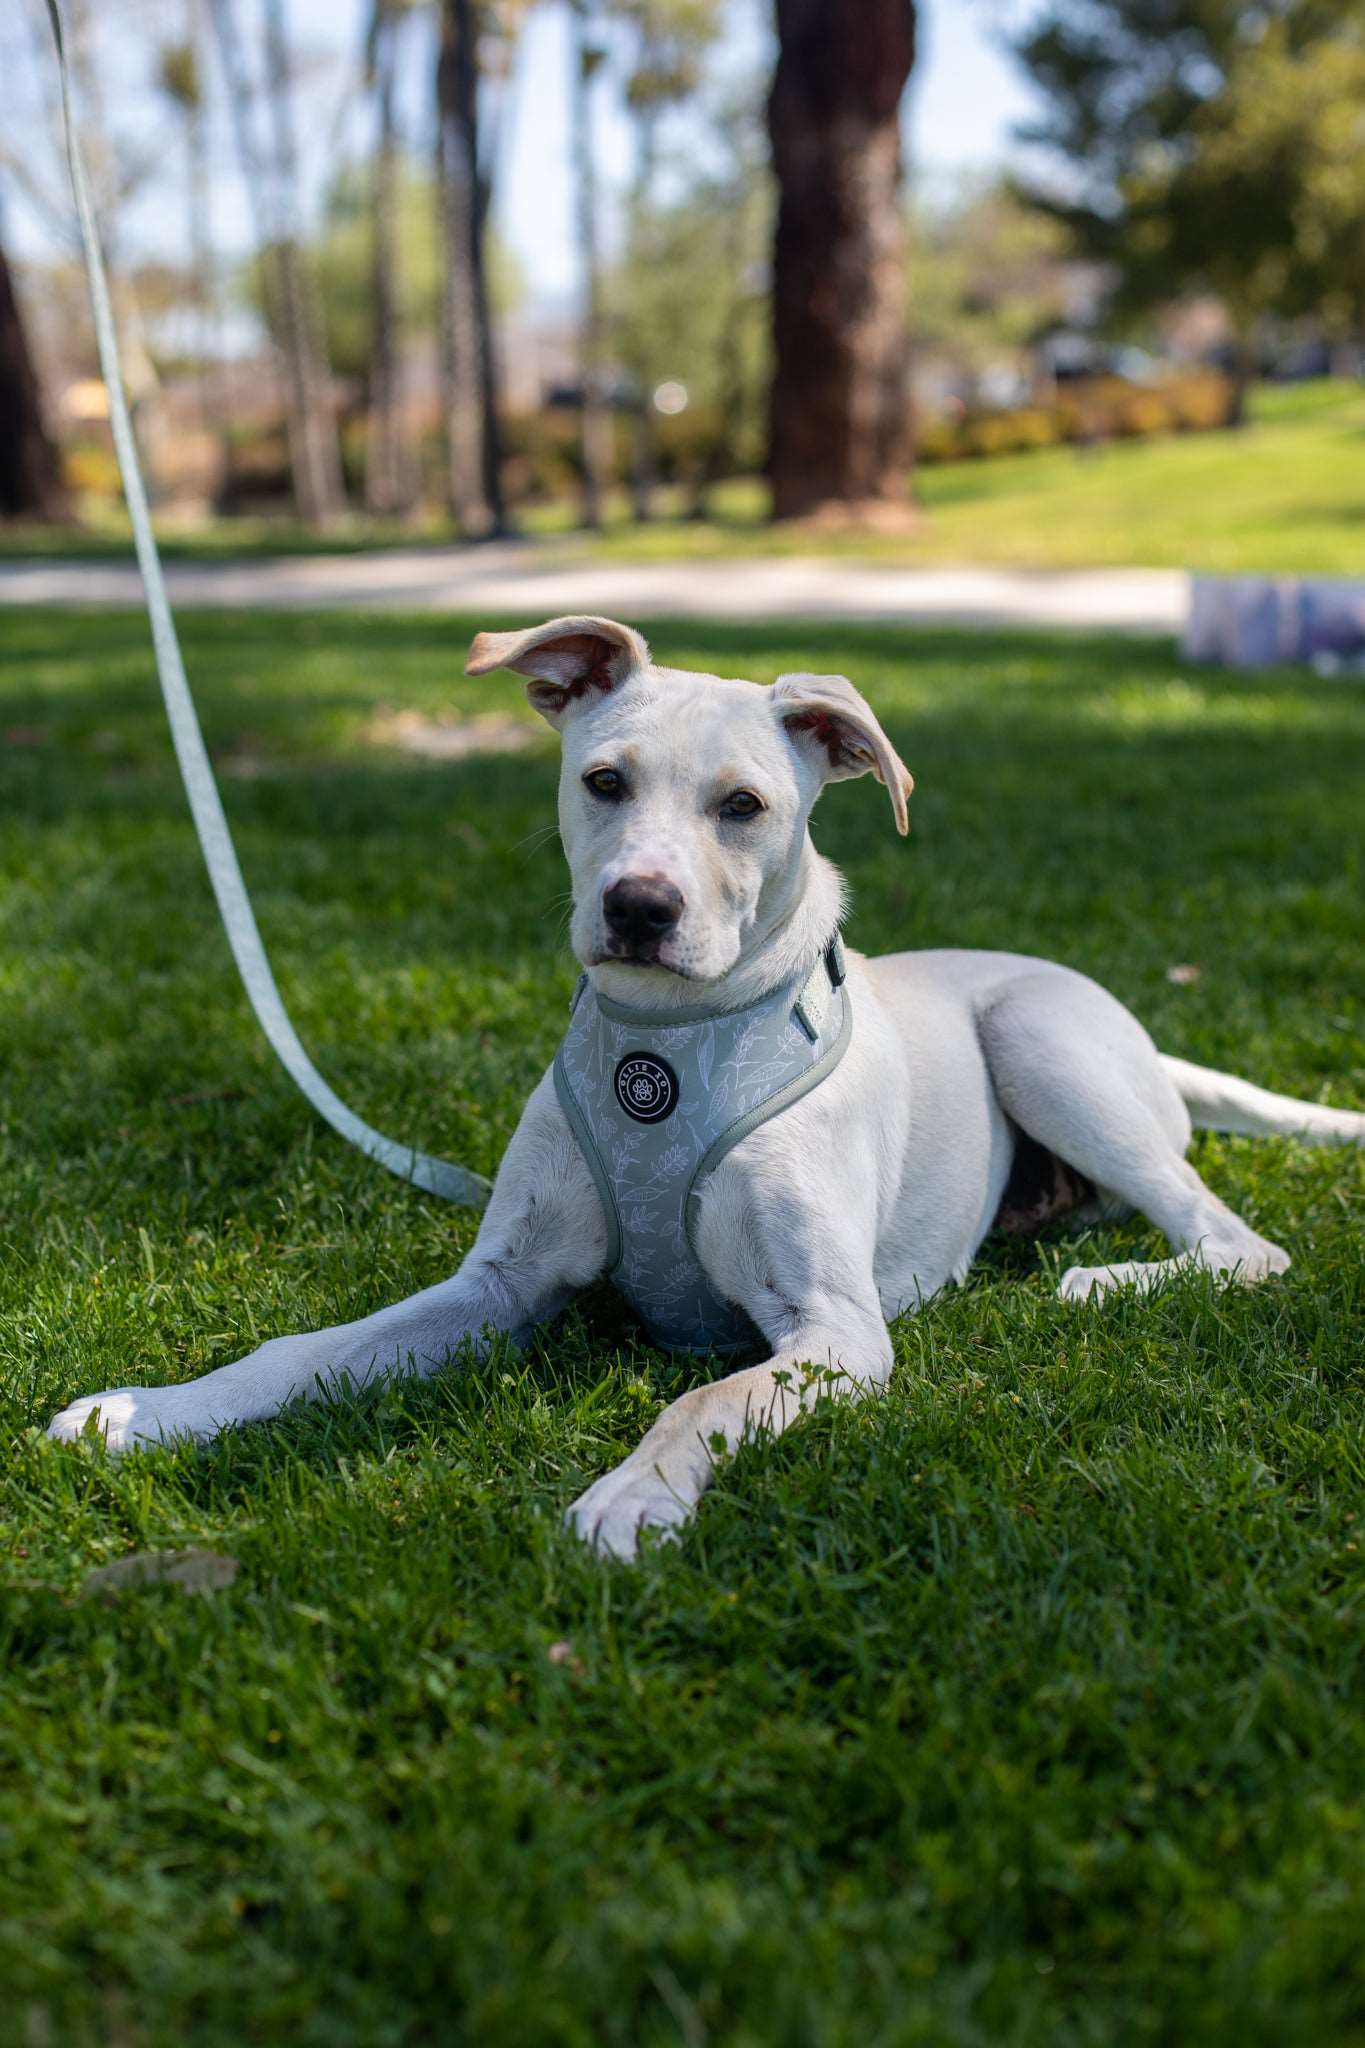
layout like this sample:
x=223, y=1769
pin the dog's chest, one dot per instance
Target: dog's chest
x=656, y=1106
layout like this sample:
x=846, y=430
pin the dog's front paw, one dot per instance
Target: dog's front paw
x=1078, y=1283
x=125, y=1417
x=615, y=1511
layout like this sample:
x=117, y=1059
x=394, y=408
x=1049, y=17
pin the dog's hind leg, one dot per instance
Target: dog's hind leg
x=1078, y=1073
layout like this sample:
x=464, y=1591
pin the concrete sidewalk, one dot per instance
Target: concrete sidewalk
x=505, y=578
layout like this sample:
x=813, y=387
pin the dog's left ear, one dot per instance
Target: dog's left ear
x=828, y=717
x=565, y=659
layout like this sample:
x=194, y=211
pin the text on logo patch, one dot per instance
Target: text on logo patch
x=646, y=1088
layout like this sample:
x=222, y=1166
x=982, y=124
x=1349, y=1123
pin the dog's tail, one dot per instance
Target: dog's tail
x=1222, y=1102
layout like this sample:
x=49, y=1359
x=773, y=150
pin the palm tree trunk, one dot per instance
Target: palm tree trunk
x=644, y=463
x=316, y=453
x=1243, y=374
x=644, y=467
x=250, y=162
x=467, y=96
x=197, y=219
x=101, y=164
x=316, y=473
x=387, y=477
x=839, y=423
x=595, y=437
x=469, y=367
x=30, y=471
x=730, y=383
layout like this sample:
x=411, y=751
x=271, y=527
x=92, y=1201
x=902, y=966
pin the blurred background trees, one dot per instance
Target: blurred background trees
x=670, y=40
x=293, y=313
x=1212, y=147
x=320, y=315
x=989, y=275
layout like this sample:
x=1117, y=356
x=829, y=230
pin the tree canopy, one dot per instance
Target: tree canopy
x=1210, y=145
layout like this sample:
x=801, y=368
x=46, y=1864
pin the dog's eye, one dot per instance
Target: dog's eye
x=606, y=783
x=743, y=804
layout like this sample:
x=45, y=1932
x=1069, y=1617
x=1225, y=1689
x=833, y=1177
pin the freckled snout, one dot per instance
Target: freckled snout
x=641, y=911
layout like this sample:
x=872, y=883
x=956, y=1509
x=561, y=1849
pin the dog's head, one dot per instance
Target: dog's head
x=683, y=798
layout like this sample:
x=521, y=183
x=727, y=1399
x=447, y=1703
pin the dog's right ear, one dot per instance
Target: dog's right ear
x=565, y=659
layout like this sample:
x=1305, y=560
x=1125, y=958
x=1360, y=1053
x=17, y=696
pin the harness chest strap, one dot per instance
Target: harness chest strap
x=656, y=1103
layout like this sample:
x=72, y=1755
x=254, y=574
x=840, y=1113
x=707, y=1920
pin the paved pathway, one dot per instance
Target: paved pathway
x=518, y=577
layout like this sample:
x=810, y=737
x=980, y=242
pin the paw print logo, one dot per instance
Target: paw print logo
x=646, y=1087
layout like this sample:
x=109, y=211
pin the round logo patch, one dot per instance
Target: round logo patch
x=646, y=1088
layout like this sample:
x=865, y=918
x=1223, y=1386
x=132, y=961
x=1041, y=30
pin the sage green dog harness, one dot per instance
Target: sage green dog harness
x=656, y=1104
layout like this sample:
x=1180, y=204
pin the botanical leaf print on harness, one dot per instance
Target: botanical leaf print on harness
x=656, y=1106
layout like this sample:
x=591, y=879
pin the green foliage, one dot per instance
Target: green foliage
x=689, y=301
x=1218, y=146
x=344, y=255
x=1022, y=1705
x=1096, y=410
x=671, y=40
x=178, y=76
x=986, y=276
x=1268, y=205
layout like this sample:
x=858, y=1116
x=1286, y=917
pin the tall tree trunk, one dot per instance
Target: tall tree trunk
x=250, y=161
x=30, y=473
x=201, y=254
x=480, y=179
x=644, y=465
x=316, y=473
x=469, y=363
x=644, y=461
x=315, y=451
x=102, y=169
x=729, y=376
x=1243, y=372
x=197, y=188
x=839, y=423
x=387, y=471
x=595, y=437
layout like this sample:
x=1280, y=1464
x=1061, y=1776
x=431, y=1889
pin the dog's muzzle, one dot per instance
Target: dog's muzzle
x=641, y=911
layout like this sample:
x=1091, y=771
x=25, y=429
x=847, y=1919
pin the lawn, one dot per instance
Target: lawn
x=1287, y=493
x=1021, y=1706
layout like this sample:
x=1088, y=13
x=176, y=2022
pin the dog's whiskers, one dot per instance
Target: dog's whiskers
x=533, y=841
x=560, y=908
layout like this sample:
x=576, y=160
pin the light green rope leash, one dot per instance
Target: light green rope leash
x=437, y=1176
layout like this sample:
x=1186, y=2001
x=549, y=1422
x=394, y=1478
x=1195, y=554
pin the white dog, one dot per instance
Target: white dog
x=969, y=1089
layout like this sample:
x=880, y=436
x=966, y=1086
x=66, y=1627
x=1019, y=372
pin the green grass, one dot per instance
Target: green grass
x=1020, y=1706
x=1285, y=494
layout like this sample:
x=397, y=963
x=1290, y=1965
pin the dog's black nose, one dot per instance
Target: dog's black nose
x=642, y=909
